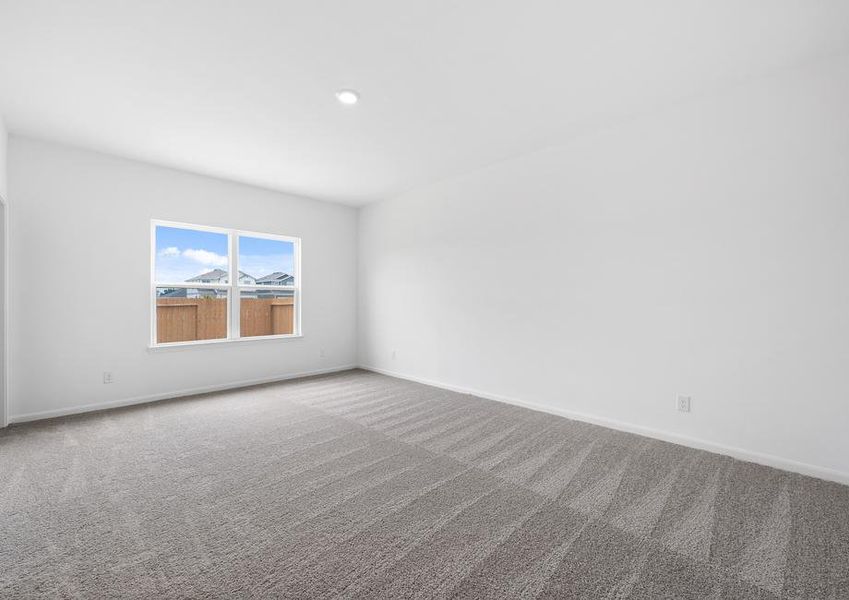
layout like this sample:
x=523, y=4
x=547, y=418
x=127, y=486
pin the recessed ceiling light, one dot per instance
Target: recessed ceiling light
x=347, y=96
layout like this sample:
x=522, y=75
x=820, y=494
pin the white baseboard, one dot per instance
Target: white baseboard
x=73, y=410
x=760, y=458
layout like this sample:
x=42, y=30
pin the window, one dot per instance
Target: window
x=210, y=284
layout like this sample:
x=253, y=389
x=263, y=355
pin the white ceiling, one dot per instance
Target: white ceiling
x=244, y=89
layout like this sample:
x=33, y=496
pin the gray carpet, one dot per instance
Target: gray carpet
x=357, y=485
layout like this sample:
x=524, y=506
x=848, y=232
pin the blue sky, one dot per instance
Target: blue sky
x=185, y=253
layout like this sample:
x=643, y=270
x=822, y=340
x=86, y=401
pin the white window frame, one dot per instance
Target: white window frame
x=233, y=287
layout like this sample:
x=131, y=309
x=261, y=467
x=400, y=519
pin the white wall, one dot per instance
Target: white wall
x=80, y=273
x=3, y=145
x=4, y=234
x=701, y=250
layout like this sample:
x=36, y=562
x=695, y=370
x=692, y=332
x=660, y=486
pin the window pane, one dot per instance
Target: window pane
x=266, y=262
x=267, y=312
x=190, y=255
x=189, y=314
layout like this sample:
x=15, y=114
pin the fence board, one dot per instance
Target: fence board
x=189, y=319
x=266, y=316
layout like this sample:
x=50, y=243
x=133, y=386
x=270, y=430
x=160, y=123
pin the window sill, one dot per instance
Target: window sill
x=221, y=342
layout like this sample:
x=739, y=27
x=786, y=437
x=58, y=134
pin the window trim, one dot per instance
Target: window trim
x=233, y=288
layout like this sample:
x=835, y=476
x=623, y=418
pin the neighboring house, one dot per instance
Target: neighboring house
x=245, y=279
x=220, y=276
x=214, y=276
x=276, y=278
x=171, y=293
x=191, y=293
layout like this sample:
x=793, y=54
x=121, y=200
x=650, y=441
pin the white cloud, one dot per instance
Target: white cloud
x=204, y=257
x=175, y=265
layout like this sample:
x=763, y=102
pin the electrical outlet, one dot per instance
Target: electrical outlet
x=107, y=377
x=683, y=404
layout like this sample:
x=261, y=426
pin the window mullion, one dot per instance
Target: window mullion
x=235, y=296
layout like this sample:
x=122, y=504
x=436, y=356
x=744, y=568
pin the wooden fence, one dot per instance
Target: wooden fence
x=267, y=316
x=189, y=319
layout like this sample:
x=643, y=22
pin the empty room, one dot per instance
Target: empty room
x=424, y=299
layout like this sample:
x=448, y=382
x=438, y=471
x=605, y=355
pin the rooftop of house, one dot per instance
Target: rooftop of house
x=216, y=274
x=273, y=277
